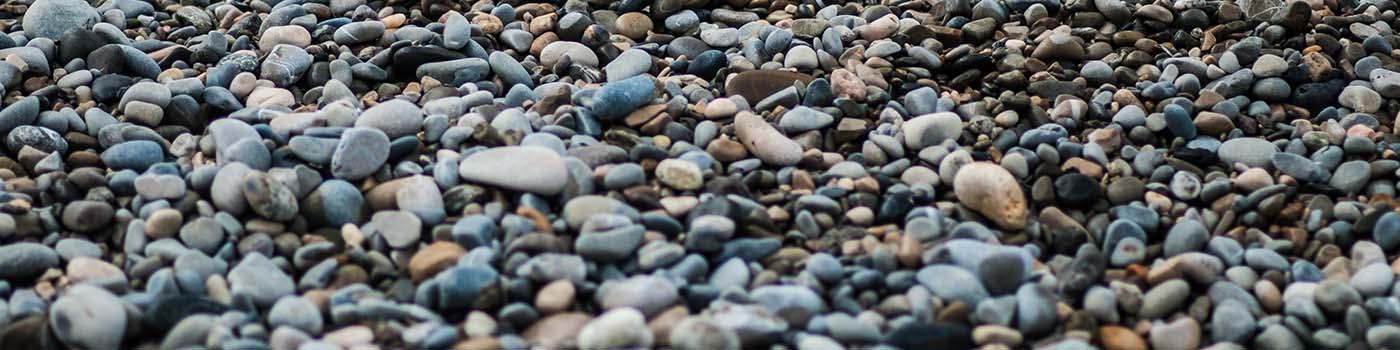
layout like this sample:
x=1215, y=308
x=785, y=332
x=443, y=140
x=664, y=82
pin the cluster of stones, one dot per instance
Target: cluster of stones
x=699, y=174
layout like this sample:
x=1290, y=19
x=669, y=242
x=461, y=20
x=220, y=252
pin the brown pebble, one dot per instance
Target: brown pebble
x=433, y=259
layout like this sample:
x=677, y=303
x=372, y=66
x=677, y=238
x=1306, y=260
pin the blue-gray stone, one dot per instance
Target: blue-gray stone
x=334, y=203
x=25, y=260
x=1386, y=231
x=952, y=282
x=1298, y=167
x=460, y=286
x=617, y=99
x=51, y=18
x=136, y=155
x=1179, y=121
x=19, y=113
x=509, y=70
x=1185, y=236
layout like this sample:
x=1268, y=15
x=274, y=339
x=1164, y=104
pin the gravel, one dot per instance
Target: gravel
x=349, y=174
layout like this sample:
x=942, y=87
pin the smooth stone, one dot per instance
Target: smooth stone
x=1164, y=298
x=619, y=98
x=795, y=304
x=991, y=191
x=952, y=282
x=517, y=168
x=509, y=70
x=1351, y=177
x=361, y=152
x=630, y=63
x=258, y=278
x=1252, y=152
x=52, y=18
x=135, y=155
x=803, y=119
x=285, y=64
x=40, y=138
x=931, y=129
x=24, y=260
x=87, y=215
x=576, y=52
x=619, y=328
x=648, y=294
x=295, y=312
x=757, y=85
x=394, y=117
x=1360, y=99
x=765, y=142
x=359, y=32
x=88, y=317
x=268, y=197
x=680, y=174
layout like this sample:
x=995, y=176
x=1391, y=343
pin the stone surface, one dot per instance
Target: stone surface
x=527, y=169
x=993, y=192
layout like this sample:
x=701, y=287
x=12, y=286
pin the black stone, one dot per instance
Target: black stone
x=407, y=60
x=937, y=335
x=75, y=43
x=707, y=64
x=110, y=87
x=894, y=206
x=819, y=94
x=1315, y=96
x=184, y=111
x=177, y=54
x=165, y=312
x=1076, y=189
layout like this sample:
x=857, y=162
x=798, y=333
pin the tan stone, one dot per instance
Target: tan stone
x=990, y=190
x=433, y=259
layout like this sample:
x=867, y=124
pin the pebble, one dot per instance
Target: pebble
x=932, y=129
x=87, y=216
x=621, y=97
x=359, y=153
x=1164, y=298
x=687, y=174
x=680, y=174
x=519, y=168
x=135, y=155
x=296, y=313
x=617, y=328
x=88, y=317
x=576, y=52
x=25, y=260
x=50, y=19
x=766, y=142
x=395, y=118
x=1252, y=152
x=259, y=279
x=991, y=191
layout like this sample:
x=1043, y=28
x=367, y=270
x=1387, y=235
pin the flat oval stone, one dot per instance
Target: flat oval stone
x=931, y=129
x=25, y=260
x=765, y=142
x=395, y=118
x=517, y=168
x=135, y=155
x=756, y=85
x=1251, y=151
x=578, y=53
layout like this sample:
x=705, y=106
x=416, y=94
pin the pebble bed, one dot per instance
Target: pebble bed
x=699, y=174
